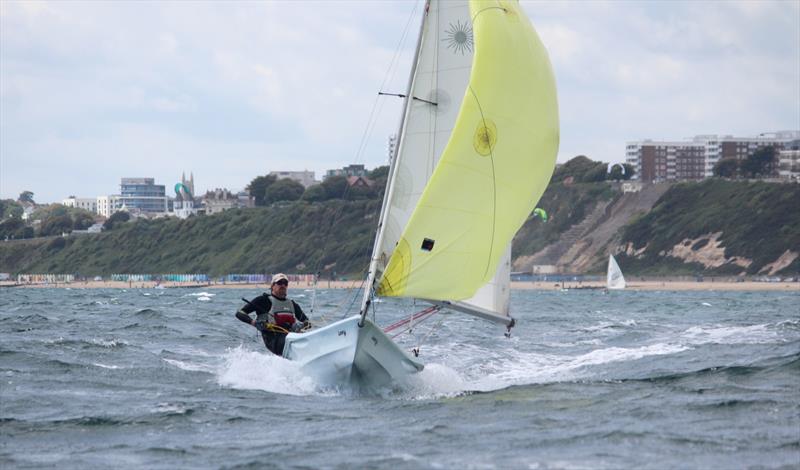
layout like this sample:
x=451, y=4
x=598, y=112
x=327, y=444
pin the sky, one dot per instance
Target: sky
x=91, y=92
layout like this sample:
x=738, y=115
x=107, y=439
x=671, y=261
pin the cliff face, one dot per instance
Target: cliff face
x=713, y=226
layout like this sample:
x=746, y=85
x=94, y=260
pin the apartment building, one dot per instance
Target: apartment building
x=695, y=159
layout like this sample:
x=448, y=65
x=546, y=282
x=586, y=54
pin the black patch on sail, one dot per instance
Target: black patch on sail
x=427, y=244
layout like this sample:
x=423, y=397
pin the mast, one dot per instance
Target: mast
x=373, y=264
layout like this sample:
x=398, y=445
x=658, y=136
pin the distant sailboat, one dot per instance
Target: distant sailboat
x=614, y=279
x=477, y=146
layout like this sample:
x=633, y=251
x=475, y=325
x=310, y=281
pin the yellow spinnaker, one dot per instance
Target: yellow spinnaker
x=494, y=169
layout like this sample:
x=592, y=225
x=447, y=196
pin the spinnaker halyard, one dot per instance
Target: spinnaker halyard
x=477, y=146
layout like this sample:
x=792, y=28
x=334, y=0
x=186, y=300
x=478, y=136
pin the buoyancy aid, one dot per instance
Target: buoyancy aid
x=281, y=313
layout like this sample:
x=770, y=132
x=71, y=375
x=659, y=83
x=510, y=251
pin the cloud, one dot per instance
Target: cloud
x=102, y=90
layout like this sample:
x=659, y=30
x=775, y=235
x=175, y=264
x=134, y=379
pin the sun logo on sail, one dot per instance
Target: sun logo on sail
x=459, y=37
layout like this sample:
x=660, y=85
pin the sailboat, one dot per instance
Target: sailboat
x=614, y=278
x=477, y=146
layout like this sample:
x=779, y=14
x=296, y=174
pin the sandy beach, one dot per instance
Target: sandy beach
x=656, y=285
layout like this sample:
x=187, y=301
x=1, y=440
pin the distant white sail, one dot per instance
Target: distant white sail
x=615, y=279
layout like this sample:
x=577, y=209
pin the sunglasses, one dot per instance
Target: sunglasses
x=282, y=282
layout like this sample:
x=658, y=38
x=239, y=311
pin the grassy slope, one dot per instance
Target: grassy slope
x=239, y=241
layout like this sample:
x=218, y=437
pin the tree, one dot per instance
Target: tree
x=56, y=225
x=630, y=171
x=379, y=177
x=582, y=169
x=26, y=196
x=82, y=220
x=116, y=219
x=14, y=228
x=284, y=189
x=360, y=192
x=335, y=187
x=315, y=193
x=726, y=168
x=759, y=163
x=9, y=208
x=617, y=172
x=258, y=188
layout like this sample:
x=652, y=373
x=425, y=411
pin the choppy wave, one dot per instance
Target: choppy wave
x=719, y=334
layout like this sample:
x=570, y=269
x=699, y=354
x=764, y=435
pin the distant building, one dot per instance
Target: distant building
x=349, y=170
x=221, y=200
x=85, y=203
x=95, y=228
x=183, y=205
x=306, y=178
x=142, y=194
x=107, y=205
x=359, y=182
x=789, y=163
x=27, y=210
x=693, y=160
x=139, y=196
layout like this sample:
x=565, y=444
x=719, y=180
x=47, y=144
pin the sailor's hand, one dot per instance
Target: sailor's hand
x=298, y=326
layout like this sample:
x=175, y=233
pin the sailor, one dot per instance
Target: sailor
x=276, y=314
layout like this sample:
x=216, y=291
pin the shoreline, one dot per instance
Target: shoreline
x=516, y=285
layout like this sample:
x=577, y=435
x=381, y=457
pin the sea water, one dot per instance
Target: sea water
x=168, y=378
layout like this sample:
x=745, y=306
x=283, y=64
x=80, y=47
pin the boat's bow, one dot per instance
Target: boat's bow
x=343, y=352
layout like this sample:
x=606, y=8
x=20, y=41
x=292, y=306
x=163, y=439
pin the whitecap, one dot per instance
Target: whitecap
x=753, y=334
x=200, y=294
x=204, y=299
x=189, y=366
x=707, y=304
x=109, y=343
x=250, y=370
x=104, y=366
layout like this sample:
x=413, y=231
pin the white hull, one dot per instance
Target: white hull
x=344, y=353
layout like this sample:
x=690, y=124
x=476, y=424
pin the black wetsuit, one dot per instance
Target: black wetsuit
x=273, y=340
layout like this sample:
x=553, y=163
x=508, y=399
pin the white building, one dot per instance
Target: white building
x=306, y=178
x=107, y=205
x=85, y=203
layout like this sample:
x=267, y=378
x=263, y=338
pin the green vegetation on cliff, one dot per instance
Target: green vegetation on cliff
x=758, y=221
x=294, y=237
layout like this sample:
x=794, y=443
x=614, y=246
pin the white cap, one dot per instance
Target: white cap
x=279, y=277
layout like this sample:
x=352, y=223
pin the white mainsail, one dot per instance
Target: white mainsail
x=614, y=279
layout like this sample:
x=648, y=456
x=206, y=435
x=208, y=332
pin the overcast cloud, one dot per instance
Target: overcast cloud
x=94, y=91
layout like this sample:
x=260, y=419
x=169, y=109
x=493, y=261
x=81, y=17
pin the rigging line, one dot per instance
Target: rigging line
x=494, y=181
x=485, y=9
x=389, y=73
x=355, y=295
x=430, y=331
